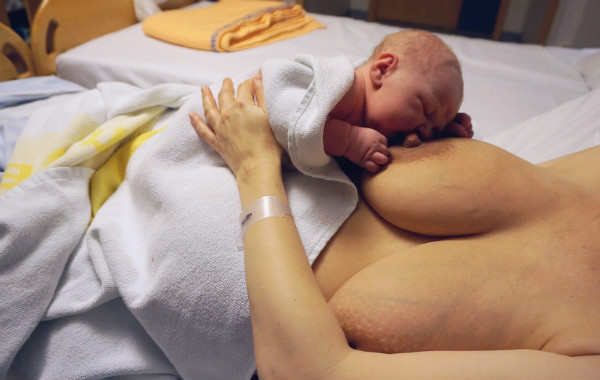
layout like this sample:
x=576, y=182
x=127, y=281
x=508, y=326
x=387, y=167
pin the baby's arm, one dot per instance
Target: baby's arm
x=363, y=146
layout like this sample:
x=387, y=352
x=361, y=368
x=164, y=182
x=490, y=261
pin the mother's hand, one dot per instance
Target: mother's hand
x=238, y=128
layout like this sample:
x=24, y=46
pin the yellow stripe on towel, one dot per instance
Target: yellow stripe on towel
x=230, y=26
x=109, y=176
x=82, y=143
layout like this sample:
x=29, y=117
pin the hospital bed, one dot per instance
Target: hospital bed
x=130, y=272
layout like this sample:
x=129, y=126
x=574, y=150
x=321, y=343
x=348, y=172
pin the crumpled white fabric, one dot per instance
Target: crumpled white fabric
x=145, y=8
x=163, y=250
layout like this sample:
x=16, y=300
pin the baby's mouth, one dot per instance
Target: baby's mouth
x=423, y=133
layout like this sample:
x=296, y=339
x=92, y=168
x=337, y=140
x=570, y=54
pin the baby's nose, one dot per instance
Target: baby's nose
x=428, y=131
x=425, y=131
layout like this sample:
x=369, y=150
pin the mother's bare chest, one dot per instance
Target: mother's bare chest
x=501, y=291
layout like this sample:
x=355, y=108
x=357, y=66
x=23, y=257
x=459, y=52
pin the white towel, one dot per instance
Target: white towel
x=18, y=98
x=299, y=96
x=31, y=262
x=106, y=342
x=173, y=226
x=166, y=243
x=43, y=220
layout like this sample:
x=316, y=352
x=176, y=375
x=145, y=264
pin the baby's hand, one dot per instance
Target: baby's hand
x=459, y=127
x=368, y=149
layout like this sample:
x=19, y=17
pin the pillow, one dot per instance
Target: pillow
x=570, y=127
x=590, y=69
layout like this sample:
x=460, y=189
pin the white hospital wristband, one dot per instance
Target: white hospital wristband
x=269, y=206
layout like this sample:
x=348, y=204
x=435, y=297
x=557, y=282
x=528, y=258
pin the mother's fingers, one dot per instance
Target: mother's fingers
x=259, y=90
x=226, y=93
x=210, y=105
x=204, y=130
x=244, y=92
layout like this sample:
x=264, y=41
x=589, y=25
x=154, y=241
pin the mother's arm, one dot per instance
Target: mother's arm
x=289, y=313
x=296, y=334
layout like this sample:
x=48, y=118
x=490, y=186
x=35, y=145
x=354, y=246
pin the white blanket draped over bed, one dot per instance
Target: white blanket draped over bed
x=154, y=283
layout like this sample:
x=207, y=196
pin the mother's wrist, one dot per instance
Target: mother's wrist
x=257, y=179
x=258, y=171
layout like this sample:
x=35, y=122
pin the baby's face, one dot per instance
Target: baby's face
x=409, y=101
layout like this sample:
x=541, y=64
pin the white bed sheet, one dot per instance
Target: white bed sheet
x=130, y=56
x=505, y=83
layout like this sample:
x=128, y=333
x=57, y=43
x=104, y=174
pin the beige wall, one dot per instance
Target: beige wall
x=331, y=7
x=515, y=17
x=575, y=25
x=362, y=5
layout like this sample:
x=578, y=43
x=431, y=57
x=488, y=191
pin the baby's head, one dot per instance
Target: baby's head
x=417, y=85
x=422, y=52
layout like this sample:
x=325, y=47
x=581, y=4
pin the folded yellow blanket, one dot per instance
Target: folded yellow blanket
x=230, y=26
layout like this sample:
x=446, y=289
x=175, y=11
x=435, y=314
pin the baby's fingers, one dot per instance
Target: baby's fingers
x=455, y=129
x=463, y=118
x=379, y=158
x=461, y=126
x=372, y=167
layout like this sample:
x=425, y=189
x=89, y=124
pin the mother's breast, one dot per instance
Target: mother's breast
x=478, y=293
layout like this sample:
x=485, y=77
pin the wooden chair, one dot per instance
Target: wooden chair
x=15, y=56
x=60, y=25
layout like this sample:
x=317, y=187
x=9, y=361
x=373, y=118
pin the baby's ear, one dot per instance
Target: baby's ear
x=381, y=65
